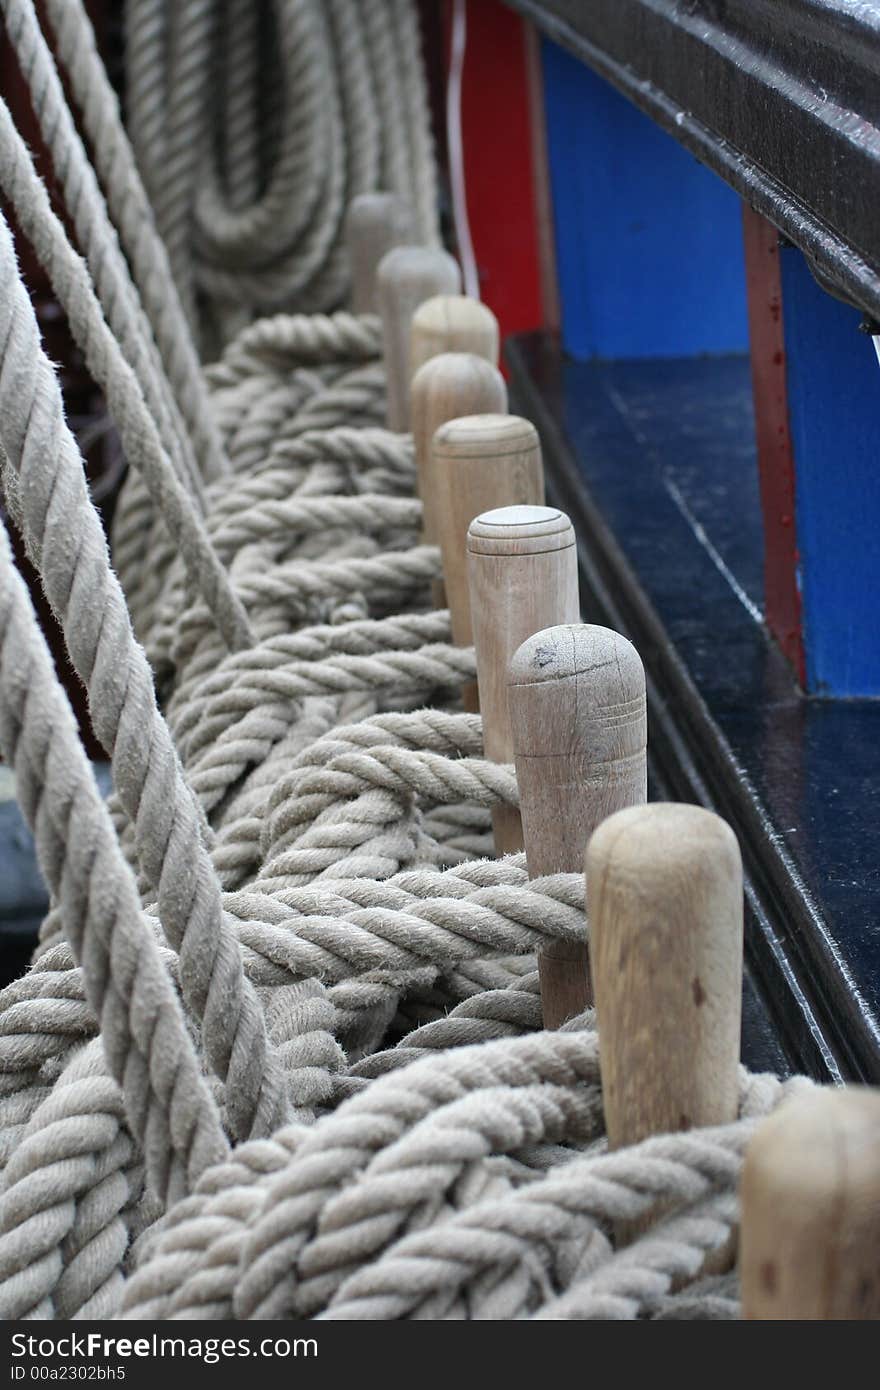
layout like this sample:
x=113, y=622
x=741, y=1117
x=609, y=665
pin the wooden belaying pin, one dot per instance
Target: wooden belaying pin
x=523, y=576
x=374, y=225
x=406, y=276
x=810, y=1196
x=452, y=323
x=453, y=384
x=479, y=462
x=665, y=907
x=576, y=696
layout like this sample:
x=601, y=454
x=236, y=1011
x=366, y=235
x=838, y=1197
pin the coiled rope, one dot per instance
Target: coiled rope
x=280, y=1050
x=317, y=102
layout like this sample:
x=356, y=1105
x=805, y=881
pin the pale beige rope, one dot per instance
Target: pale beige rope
x=65, y=540
x=133, y=217
x=473, y=1143
x=242, y=238
x=104, y=357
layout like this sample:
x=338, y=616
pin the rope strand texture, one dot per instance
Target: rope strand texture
x=149, y=1053
x=133, y=217
x=410, y=1142
x=250, y=179
x=107, y=364
x=65, y=539
x=431, y=1148
x=96, y=236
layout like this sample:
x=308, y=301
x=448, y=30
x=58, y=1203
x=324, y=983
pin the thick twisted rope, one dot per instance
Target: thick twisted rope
x=85, y=596
x=63, y=1234
x=134, y=220
x=251, y=202
x=339, y=460
x=242, y=729
x=97, y=238
x=451, y=1161
x=227, y=689
x=354, y=934
x=169, y=1108
x=190, y=34
x=304, y=1236
x=146, y=85
x=284, y=342
x=445, y=1273
x=320, y=465
x=104, y=358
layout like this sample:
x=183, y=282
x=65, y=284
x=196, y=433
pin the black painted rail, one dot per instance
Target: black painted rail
x=779, y=97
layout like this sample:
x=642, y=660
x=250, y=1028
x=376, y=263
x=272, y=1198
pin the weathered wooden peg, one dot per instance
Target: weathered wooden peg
x=479, y=462
x=665, y=907
x=810, y=1226
x=374, y=225
x=576, y=695
x=452, y=323
x=406, y=276
x=523, y=576
x=447, y=386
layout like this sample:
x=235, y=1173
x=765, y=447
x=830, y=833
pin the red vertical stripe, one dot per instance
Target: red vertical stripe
x=775, y=454
x=500, y=166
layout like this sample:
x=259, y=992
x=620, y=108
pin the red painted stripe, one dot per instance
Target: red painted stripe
x=775, y=455
x=500, y=165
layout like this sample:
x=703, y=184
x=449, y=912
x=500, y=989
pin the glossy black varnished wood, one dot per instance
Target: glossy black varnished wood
x=780, y=97
x=654, y=462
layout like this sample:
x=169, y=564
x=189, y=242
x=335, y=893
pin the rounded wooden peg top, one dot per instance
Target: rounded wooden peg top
x=453, y=323
x=576, y=694
x=810, y=1194
x=406, y=277
x=665, y=906
x=479, y=462
x=522, y=571
x=488, y=436
x=522, y=567
x=375, y=223
x=520, y=530
x=446, y=386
